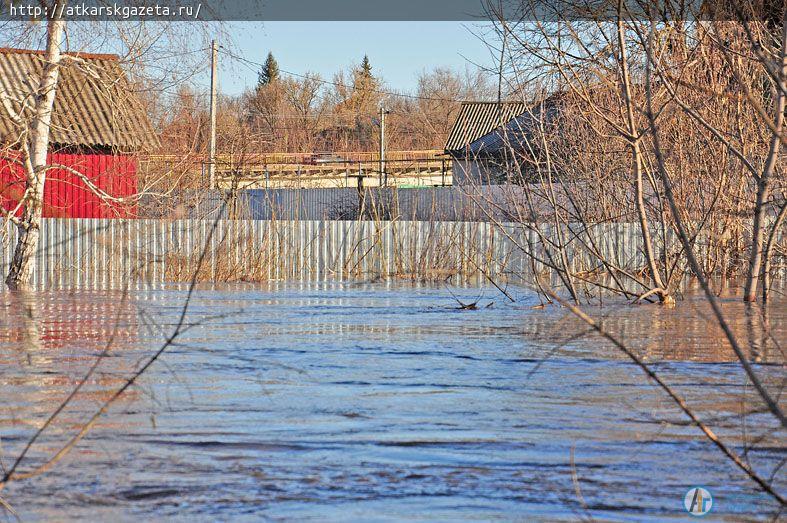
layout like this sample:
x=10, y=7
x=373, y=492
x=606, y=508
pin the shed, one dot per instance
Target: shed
x=475, y=141
x=99, y=126
x=491, y=141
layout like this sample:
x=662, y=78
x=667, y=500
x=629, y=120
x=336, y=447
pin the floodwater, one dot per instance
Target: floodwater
x=380, y=402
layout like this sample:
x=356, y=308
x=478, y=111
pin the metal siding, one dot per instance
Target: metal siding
x=483, y=203
x=130, y=183
x=67, y=196
x=99, y=177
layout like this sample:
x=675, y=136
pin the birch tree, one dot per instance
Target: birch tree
x=35, y=145
x=157, y=56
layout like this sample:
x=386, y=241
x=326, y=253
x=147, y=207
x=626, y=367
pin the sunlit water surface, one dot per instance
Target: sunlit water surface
x=380, y=402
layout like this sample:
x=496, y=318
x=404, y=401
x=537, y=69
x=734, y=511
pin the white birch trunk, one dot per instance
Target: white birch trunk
x=22, y=265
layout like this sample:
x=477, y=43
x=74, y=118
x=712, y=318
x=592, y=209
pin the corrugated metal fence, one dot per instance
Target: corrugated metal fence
x=105, y=253
x=482, y=203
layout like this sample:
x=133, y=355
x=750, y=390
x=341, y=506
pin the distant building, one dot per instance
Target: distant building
x=98, y=127
x=491, y=142
x=476, y=143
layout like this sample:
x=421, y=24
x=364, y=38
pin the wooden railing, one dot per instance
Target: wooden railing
x=400, y=166
x=311, y=158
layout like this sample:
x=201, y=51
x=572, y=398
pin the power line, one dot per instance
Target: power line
x=326, y=117
x=337, y=84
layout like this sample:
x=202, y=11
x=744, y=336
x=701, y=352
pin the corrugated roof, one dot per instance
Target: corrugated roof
x=520, y=131
x=477, y=119
x=95, y=104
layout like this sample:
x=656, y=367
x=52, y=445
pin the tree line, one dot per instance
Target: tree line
x=307, y=113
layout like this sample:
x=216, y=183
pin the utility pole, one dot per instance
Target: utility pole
x=361, y=192
x=214, y=55
x=383, y=177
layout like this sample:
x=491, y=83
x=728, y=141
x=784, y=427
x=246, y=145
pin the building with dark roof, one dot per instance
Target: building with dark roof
x=491, y=141
x=98, y=128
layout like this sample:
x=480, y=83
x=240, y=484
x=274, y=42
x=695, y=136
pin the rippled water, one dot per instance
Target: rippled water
x=379, y=402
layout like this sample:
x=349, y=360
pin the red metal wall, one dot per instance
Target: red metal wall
x=66, y=195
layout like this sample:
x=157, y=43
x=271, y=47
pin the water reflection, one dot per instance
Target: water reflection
x=327, y=400
x=48, y=342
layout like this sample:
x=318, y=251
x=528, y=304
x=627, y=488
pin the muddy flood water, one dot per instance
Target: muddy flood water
x=380, y=402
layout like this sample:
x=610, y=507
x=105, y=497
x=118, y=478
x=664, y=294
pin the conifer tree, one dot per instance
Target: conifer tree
x=366, y=67
x=269, y=72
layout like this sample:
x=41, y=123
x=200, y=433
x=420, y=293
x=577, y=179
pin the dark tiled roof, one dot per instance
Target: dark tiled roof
x=478, y=119
x=95, y=105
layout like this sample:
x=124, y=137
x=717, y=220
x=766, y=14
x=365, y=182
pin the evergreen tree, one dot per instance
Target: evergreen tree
x=270, y=71
x=366, y=67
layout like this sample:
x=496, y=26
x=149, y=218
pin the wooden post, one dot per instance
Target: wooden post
x=361, y=191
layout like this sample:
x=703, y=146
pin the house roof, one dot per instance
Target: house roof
x=95, y=104
x=478, y=119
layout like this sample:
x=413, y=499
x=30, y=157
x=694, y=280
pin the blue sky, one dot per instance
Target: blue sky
x=398, y=51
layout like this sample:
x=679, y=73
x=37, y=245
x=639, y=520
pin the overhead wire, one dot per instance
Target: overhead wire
x=338, y=84
x=254, y=66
